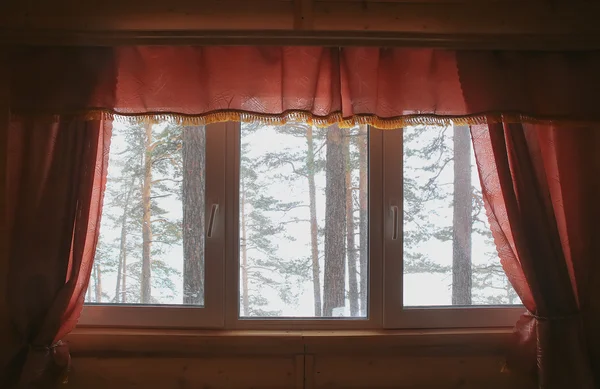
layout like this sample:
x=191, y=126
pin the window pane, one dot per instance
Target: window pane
x=449, y=253
x=151, y=246
x=303, y=221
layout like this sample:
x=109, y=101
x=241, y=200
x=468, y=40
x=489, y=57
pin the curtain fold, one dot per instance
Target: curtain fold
x=536, y=159
x=56, y=177
x=385, y=87
x=539, y=185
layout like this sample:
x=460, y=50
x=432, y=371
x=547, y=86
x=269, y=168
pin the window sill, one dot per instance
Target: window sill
x=157, y=342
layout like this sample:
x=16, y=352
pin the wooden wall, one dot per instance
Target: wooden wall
x=291, y=360
x=444, y=23
x=168, y=360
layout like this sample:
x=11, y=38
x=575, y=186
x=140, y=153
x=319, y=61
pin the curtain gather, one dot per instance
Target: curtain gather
x=385, y=87
x=540, y=186
x=56, y=176
x=199, y=85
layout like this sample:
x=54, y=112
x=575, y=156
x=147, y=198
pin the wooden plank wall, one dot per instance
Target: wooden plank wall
x=295, y=360
x=292, y=360
x=351, y=371
x=524, y=24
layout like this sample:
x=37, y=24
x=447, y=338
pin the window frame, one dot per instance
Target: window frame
x=385, y=286
x=211, y=315
x=374, y=294
x=396, y=315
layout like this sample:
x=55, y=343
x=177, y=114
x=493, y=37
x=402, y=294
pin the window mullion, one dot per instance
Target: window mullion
x=392, y=234
x=232, y=179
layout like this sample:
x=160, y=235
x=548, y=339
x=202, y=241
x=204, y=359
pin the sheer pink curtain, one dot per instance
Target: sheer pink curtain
x=326, y=85
x=540, y=184
x=57, y=172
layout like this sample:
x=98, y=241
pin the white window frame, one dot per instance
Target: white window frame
x=211, y=315
x=396, y=316
x=221, y=310
x=374, y=294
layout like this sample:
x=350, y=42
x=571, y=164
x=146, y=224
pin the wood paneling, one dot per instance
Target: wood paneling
x=443, y=23
x=116, y=342
x=151, y=15
x=373, y=372
x=7, y=339
x=183, y=373
x=254, y=359
x=459, y=18
x=342, y=371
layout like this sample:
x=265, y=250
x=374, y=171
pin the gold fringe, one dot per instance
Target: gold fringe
x=309, y=118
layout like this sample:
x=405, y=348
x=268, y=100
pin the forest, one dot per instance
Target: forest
x=303, y=222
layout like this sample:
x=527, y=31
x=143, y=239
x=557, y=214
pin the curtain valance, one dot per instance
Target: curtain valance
x=385, y=87
x=535, y=178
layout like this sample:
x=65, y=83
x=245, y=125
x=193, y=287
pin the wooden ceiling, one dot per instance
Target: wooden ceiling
x=502, y=24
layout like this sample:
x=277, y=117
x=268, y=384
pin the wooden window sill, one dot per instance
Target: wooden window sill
x=163, y=342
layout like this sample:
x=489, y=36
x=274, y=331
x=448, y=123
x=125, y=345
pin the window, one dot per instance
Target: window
x=161, y=237
x=292, y=226
x=448, y=257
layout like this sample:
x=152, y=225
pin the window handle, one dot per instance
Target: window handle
x=211, y=220
x=394, y=209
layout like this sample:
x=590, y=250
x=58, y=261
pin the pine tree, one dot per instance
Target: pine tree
x=305, y=165
x=193, y=145
x=335, y=215
x=121, y=284
x=146, y=290
x=462, y=218
x=362, y=144
x=260, y=234
x=426, y=156
x=132, y=194
x=311, y=170
x=429, y=153
x=350, y=230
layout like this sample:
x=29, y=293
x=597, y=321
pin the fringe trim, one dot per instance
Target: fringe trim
x=307, y=117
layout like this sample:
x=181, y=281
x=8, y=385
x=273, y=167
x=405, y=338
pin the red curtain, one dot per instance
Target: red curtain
x=388, y=86
x=539, y=180
x=540, y=186
x=540, y=183
x=56, y=176
x=277, y=82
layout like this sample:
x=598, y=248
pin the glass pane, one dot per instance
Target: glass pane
x=449, y=253
x=151, y=246
x=303, y=221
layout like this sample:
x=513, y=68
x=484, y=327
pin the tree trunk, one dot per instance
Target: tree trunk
x=314, y=227
x=117, y=298
x=351, y=249
x=363, y=217
x=193, y=214
x=121, y=270
x=244, y=247
x=98, y=277
x=334, y=273
x=462, y=218
x=146, y=292
x=89, y=290
x=124, y=282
